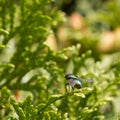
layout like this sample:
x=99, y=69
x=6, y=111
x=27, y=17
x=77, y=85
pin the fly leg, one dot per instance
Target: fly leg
x=68, y=88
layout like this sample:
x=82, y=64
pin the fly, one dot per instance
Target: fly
x=76, y=82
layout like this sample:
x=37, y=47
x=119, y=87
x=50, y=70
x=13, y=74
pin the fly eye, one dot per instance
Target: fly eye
x=69, y=77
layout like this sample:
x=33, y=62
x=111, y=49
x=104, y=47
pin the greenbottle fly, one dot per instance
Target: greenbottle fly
x=76, y=82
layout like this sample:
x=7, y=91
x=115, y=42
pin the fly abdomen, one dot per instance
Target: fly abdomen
x=77, y=83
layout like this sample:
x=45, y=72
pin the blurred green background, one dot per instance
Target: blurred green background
x=41, y=41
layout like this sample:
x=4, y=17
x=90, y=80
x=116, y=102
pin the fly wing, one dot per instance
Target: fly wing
x=86, y=80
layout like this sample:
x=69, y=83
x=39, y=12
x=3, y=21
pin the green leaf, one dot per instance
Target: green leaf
x=2, y=31
x=79, y=95
x=18, y=109
x=5, y=94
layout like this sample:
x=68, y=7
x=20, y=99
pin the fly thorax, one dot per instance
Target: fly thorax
x=70, y=81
